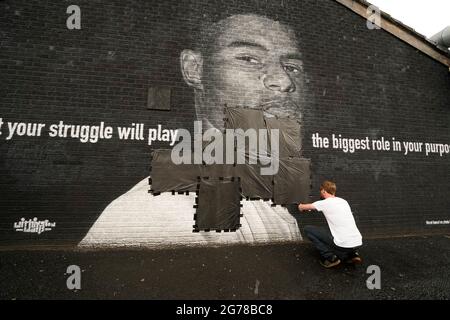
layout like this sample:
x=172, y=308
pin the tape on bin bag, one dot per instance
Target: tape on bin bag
x=167, y=176
x=218, y=204
x=218, y=171
x=292, y=183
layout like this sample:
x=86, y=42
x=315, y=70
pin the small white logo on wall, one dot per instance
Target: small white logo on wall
x=437, y=222
x=33, y=225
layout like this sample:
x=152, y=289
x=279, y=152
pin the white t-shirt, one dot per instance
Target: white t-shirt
x=341, y=221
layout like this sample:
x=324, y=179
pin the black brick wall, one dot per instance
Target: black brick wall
x=361, y=83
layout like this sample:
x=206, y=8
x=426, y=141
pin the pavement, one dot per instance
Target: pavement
x=410, y=268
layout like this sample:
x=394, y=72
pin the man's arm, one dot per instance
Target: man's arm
x=307, y=206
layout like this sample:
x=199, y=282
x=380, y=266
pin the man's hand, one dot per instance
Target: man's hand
x=306, y=207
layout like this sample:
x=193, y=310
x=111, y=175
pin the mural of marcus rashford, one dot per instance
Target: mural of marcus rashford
x=242, y=60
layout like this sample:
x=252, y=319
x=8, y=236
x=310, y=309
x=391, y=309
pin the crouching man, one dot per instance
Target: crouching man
x=340, y=242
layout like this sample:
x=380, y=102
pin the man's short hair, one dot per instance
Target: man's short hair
x=208, y=22
x=329, y=187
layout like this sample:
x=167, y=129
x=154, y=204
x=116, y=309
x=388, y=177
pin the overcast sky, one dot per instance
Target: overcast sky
x=427, y=17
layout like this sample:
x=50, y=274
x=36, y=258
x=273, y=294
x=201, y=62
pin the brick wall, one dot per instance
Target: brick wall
x=361, y=83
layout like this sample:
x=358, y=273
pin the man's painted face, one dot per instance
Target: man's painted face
x=254, y=62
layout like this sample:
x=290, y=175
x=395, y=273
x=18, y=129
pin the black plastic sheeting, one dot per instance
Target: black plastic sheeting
x=292, y=184
x=289, y=135
x=218, y=205
x=244, y=118
x=253, y=184
x=167, y=176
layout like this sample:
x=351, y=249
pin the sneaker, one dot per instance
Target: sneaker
x=354, y=258
x=330, y=262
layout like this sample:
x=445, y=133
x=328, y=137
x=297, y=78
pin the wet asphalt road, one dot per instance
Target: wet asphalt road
x=411, y=268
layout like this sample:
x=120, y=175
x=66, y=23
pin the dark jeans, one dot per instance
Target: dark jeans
x=323, y=241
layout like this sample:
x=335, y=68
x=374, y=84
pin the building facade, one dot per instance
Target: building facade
x=88, y=92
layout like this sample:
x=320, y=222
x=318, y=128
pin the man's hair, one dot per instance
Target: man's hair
x=209, y=15
x=329, y=187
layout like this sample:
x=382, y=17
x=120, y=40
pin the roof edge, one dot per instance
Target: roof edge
x=400, y=30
